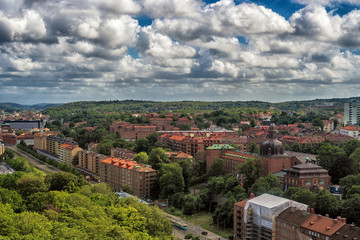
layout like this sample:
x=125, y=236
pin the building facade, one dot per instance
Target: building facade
x=123, y=153
x=90, y=161
x=67, y=152
x=351, y=112
x=119, y=173
x=307, y=176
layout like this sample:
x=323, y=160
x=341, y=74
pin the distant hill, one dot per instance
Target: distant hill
x=11, y=107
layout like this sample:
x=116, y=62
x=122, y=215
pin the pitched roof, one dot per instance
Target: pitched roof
x=323, y=225
x=350, y=128
x=295, y=216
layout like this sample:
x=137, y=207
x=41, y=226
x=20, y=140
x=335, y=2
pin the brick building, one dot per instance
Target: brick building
x=119, y=173
x=272, y=156
x=321, y=227
x=307, y=176
x=131, y=132
x=288, y=223
x=123, y=153
x=90, y=161
x=67, y=152
x=179, y=156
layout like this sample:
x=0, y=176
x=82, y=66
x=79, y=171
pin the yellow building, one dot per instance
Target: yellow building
x=67, y=152
x=2, y=148
x=53, y=144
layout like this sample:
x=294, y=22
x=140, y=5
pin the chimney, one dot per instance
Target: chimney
x=343, y=220
x=326, y=215
x=319, y=216
x=312, y=210
x=335, y=221
x=252, y=195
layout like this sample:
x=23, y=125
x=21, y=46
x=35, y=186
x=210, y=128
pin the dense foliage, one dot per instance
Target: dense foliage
x=64, y=206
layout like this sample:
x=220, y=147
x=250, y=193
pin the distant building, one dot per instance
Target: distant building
x=2, y=149
x=307, y=176
x=26, y=125
x=131, y=132
x=119, y=173
x=328, y=125
x=351, y=112
x=179, y=156
x=321, y=227
x=53, y=143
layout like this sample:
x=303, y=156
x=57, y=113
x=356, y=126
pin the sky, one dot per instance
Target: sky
x=58, y=51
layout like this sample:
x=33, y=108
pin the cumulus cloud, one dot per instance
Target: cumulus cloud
x=191, y=50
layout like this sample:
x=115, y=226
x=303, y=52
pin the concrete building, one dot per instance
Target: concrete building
x=2, y=149
x=255, y=218
x=119, y=173
x=90, y=161
x=328, y=125
x=350, y=131
x=351, y=112
x=307, y=176
x=54, y=142
x=67, y=152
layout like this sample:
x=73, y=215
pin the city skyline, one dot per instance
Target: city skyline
x=168, y=50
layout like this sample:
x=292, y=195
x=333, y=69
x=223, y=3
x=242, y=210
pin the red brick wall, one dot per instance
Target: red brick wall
x=210, y=157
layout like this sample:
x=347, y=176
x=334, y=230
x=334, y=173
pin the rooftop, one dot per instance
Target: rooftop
x=220, y=146
x=323, y=225
x=295, y=216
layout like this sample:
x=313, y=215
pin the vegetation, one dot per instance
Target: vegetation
x=64, y=206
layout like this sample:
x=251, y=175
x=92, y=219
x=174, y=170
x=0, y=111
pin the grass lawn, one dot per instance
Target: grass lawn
x=205, y=220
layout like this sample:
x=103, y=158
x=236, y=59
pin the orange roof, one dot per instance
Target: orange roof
x=127, y=164
x=242, y=203
x=68, y=146
x=323, y=225
x=350, y=128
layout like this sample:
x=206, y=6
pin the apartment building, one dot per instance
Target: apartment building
x=123, y=153
x=131, y=132
x=90, y=161
x=119, y=173
x=352, y=112
x=2, y=148
x=54, y=142
x=67, y=152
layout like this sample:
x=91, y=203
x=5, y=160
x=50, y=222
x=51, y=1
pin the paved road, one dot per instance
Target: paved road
x=36, y=162
x=194, y=230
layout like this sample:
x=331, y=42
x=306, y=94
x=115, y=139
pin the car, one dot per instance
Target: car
x=204, y=232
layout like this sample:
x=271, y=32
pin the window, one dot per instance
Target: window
x=308, y=182
x=322, y=181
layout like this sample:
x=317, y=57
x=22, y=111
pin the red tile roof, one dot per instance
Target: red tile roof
x=323, y=225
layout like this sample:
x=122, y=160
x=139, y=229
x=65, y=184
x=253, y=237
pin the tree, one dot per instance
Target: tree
x=342, y=167
x=12, y=198
x=142, y=157
x=305, y=196
x=309, y=148
x=351, y=209
x=327, y=155
x=296, y=147
x=269, y=184
x=171, y=180
x=254, y=148
x=187, y=173
x=30, y=183
x=127, y=189
x=185, y=127
x=217, y=168
x=350, y=146
x=63, y=181
x=347, y=182
x=318, y=122
x=250, y=170
x=290, y=191
x=355, y=157
x=326, y=203
x=355, y=189
x=158, y=157
x=252, y=123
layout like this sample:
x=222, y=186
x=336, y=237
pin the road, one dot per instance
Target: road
x=194, y=230
x=34, y=161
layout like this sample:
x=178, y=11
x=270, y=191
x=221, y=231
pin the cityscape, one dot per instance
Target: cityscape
x=180, y=119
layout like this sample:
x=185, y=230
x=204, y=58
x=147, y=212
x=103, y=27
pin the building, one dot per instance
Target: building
x=26, y=125
x=350, y=131
x=255, y=218
x=118, y=173
x=123, y=153
x=67, y=152
x=321, y=227
x=179, y=156
x=351, y=112
x=328, y=125
x=288, y=223
x=271, y=155
x=2, y=148
x=307, y=176
x=131, y=132
x=339, y=118
x=40, y=140
x=90, y=161
x=54, y=142
x=348, y=231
